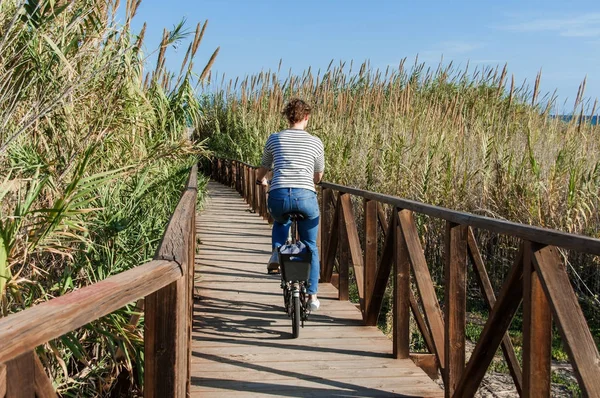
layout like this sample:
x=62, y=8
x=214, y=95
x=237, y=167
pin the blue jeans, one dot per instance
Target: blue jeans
x=283, y=201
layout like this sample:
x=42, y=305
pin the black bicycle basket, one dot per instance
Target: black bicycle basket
x=295, y=267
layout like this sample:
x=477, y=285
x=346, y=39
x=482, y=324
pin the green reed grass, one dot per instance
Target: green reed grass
x=465, y=140
x=94, y=152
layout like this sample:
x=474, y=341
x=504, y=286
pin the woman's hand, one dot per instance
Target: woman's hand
x=262, y=182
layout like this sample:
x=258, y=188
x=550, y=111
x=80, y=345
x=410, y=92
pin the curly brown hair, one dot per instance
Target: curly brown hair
x=296, y=110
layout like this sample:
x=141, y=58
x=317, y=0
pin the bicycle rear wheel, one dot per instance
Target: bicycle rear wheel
x=296, y=316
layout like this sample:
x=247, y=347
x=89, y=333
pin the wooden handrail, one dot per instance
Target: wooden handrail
x=538, y=279
x=46, y=321
x=548, y=236
x=581, y=243
x=166, y=282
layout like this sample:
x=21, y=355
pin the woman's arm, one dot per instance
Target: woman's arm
x=261, y=175
x=318, y=177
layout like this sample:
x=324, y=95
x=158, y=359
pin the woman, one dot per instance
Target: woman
x=297, y=160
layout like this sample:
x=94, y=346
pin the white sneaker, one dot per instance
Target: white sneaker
x=314, y=305
x=273, y=265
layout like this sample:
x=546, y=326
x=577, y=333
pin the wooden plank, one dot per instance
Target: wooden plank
x=51, y=319
x=401, y=308
x=344, y=249
x=213, y=363
x=455, y=294
x=427, y=362
x=431, y=306
x=571, y=323
x=332, y=246
x=371, y=387
x=2, y=380
x=498, y=322
x=20, y=382
x=537, y=332
x=485, y=285
x=383, y=273
x=43, y=385
x=421, y=322
x=370, y=252
x=353, y=242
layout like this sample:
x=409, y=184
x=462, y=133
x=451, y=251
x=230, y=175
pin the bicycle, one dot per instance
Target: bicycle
x=295, y=269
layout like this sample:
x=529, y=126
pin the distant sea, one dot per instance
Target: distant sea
x=595, y=120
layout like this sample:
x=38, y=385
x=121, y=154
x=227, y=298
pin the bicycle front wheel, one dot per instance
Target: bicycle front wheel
x=296, y=316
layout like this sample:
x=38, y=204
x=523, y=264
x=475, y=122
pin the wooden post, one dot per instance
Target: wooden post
x=401, y=308
x=234, y=174
x=332, y=243
x=240, y=177
x=246, y=186
x=20, y=371
x=2, y=380
x=344, y=249
x=455, y=294
x=223, y=171
x=251, y=188
x=165, y=333
x=370, y=252
x=537, y=332
x=219, y=174
x=326, y=197
x=259, y=198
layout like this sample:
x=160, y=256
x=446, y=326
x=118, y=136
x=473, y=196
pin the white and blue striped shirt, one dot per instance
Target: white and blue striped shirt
x=294, y=156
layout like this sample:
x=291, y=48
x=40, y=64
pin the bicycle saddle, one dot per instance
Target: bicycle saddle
x=294, y=216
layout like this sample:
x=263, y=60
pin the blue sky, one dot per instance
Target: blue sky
x=561, y=38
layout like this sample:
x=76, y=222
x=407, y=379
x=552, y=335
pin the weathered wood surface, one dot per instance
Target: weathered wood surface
x=2, y=380
x=455, y=296
x=66, y=313
x=546, y=236
x=242, y=343
x=20, y=376
x=572, y=325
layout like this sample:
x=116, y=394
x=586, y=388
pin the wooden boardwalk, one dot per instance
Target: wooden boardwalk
x=241, y=338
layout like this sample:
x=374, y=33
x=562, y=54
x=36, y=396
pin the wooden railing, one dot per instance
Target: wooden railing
x=538, y=279
x=165, y=283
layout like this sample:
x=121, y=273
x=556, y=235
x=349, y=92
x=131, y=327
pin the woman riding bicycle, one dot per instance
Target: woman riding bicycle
x=297, y=160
